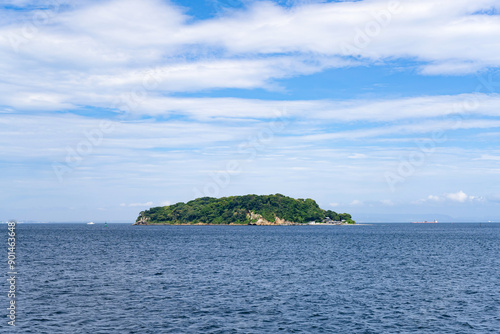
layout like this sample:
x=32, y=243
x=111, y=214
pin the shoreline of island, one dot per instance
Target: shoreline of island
x=258, y=210
x=231, y=224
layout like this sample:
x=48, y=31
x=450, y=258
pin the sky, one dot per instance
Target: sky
x=388, y=110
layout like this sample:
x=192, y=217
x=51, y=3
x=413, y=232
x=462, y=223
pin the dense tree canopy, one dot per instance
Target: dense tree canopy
x=237, y=209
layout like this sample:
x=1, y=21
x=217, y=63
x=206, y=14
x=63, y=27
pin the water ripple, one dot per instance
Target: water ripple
x=392, y=278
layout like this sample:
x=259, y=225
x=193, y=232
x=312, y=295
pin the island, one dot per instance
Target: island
x=244, y=210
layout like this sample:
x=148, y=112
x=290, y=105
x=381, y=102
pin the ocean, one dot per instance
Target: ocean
x=380, y=278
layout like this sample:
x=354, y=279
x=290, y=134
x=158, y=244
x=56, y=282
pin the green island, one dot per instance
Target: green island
x=244, y=210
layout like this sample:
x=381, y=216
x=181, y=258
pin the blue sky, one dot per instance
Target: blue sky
x=389, y=110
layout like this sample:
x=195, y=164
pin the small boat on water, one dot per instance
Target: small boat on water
x=426, y=222
x=91, y=223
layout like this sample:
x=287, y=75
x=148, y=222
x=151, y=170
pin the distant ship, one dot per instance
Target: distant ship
x=91, y=223
x=426, y=222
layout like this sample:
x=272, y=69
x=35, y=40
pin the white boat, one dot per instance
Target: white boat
x=91, y=223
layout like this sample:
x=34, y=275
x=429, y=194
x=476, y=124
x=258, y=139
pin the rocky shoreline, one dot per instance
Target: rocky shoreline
x=255, y=220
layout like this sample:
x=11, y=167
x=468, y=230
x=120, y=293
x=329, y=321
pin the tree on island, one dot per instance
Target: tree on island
x=246, y=209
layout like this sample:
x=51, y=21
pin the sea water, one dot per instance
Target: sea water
x=380, y=278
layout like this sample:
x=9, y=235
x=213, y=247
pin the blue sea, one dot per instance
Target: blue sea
x=380, y=278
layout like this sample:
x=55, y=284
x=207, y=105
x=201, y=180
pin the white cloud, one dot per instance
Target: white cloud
x=141, y=204
x=226, y=73
x=433, y=198
x=450, y=33
x=459, y=196
x=140, y=101
x=147, y=204
x=356, y=202
x=452, y=68
x=81, y=61
x=489, y=156
x=357, y=156
x=438, y=127
x=91, y=46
